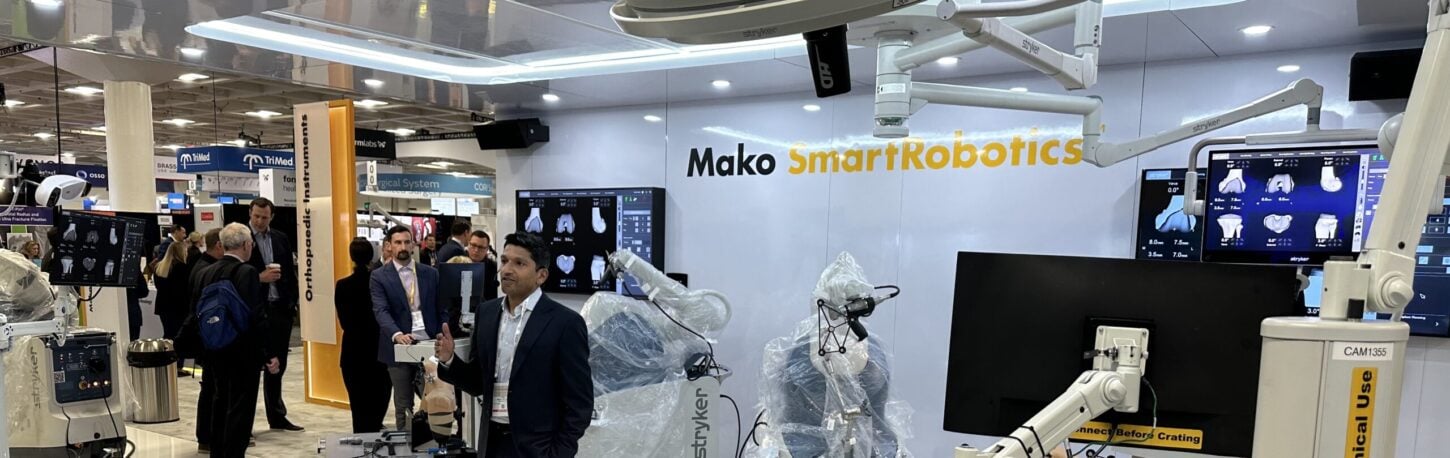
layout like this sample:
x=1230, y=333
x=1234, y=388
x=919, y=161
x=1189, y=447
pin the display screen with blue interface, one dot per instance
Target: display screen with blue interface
x=1286, y=205
x=1165, y=231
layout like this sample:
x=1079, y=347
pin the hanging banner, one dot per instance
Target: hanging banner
x=375, y=144
x=279, y=186
x=231, y=159
x=93, y=174
x=27, y=216
x=415, y=186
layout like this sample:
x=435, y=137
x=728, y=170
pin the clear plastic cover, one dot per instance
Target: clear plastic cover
x=25, y=294
x=830, y=402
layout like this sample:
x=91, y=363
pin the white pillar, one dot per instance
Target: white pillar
x=130, y=147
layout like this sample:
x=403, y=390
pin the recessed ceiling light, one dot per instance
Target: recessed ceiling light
x=812, y=107
x=1255, y=30
x=48, y=4
x=191, y=77
x=370, y=82
x=370, y=103
x=720, y=84
x=13, y=103
x=84, y=90
x=653, y=118
x=1018, y=89
x=44, y=135
x=1291, y=68
x=178, y=122
x=192, y=52
x=402, y=131
x=264, y=114
x=551, y=98
x=948, y=61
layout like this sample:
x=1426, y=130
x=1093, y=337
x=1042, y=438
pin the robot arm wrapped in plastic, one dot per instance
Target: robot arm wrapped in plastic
x=644, y=365
x=25, y=294
x=827, y=396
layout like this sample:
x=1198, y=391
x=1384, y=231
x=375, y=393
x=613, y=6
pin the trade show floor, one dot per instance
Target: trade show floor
x=178, y=438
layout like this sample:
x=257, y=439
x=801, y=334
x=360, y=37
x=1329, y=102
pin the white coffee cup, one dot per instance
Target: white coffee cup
x=274, y=266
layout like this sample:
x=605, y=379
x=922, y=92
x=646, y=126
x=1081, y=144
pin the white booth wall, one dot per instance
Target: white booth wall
x=763, y=240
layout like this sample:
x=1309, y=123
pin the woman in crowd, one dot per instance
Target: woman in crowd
x=368, y=386
x=31, y=250
x=195, y=245
x=173, y=297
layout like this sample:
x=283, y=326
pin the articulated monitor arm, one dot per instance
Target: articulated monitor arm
x=1120, y=359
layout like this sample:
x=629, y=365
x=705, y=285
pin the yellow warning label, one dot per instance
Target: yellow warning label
x=1360, y=426
x=1185, y=439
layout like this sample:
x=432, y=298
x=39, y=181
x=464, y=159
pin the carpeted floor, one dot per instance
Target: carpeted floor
x=320, y=421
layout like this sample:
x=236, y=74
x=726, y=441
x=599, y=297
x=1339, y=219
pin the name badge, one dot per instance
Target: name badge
x=500, y=400
x=418, y=319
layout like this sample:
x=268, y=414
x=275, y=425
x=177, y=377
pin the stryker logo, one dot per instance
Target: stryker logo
x=725, y=166
x=1299, y=259
x=827, y=82
x=1200, y=127
x=701, y=445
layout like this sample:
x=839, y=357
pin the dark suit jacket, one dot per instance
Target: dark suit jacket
x=551, y=391
x=450, y=250
x=281, y=254
x=390, y=306
x=359, y=324
x=250, y=347
x=173, y=292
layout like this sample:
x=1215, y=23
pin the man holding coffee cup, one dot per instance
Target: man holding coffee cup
x=272, y=256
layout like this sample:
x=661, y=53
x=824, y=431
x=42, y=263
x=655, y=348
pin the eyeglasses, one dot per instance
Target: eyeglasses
x=478, y=247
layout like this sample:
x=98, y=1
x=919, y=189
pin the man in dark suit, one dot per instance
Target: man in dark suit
x=457, y=241
x=405, y=296
x=480, y=250
x=273, y=248
x=234, y=400
x=529, y=361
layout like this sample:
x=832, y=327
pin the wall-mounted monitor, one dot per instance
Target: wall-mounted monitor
x=93, y=249
x=1165, y=231
x=582, y=226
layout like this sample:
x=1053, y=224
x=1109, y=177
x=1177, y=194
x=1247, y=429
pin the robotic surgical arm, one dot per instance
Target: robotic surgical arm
x=701, y=309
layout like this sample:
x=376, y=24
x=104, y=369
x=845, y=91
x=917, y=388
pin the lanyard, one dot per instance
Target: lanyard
x=412, y=292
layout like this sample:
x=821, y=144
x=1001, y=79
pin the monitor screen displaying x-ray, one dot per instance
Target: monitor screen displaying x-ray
x=1287, y=205
x=583, y=226
x=97, y=250
x=1165, y=231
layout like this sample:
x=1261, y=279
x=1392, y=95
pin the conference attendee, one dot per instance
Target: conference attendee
x=428, y=251
x=404, y=298
x=366, y=379
x=214, y=252
x=480, y=249
x=236, y=372
x=386, y=257
x=211, y=252
x=134, y=293
x=31, y=250
x=173, y=293
x=195, y=245
x=534, y=353
x=457, y=240
x=272, y=256
x=175, y=233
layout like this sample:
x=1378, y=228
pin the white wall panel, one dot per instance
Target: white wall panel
x=763, y=240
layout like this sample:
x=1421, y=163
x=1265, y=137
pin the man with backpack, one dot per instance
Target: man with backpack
x=233, y=328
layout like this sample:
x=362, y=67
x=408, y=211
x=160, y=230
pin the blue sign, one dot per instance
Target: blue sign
x=231, y=159
x=431, y=185
x=176, y=201
x=27, y=216
x=93, y=174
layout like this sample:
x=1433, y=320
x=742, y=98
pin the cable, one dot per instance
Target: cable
x=710, y=364
x=67, y=426
x=1040, y=448
x=112, y=416
x=737, y=422
x=740, y=452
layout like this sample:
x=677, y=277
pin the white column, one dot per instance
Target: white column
x=130, y=147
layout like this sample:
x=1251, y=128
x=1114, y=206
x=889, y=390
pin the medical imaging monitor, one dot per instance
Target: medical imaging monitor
x=94, y=249
x=583, y=226
x=1165, y=231
x=1021, y=325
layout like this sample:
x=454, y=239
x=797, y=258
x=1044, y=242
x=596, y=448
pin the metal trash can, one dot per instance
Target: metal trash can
x=153, y=380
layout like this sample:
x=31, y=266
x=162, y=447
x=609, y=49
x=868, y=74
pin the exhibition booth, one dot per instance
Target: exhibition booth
x=824, y=228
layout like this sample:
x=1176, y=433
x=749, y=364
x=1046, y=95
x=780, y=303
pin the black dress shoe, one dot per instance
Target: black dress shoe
x=288, y=427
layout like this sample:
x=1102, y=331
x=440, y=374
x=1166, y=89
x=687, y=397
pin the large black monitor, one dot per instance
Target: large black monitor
x=1287, y=205
x=1165, y=230
x=1021, y=324
x=95, y=249
x=583, y=226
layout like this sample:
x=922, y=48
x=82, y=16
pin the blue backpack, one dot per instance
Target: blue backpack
x=221, y=315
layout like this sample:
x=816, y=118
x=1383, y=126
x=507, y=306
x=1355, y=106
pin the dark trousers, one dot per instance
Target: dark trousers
x=500, y=442
x=170, y=325
x=280, y=321
x=368, y=390
x=133, y=319
x=204, y=404
x=234, y=407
